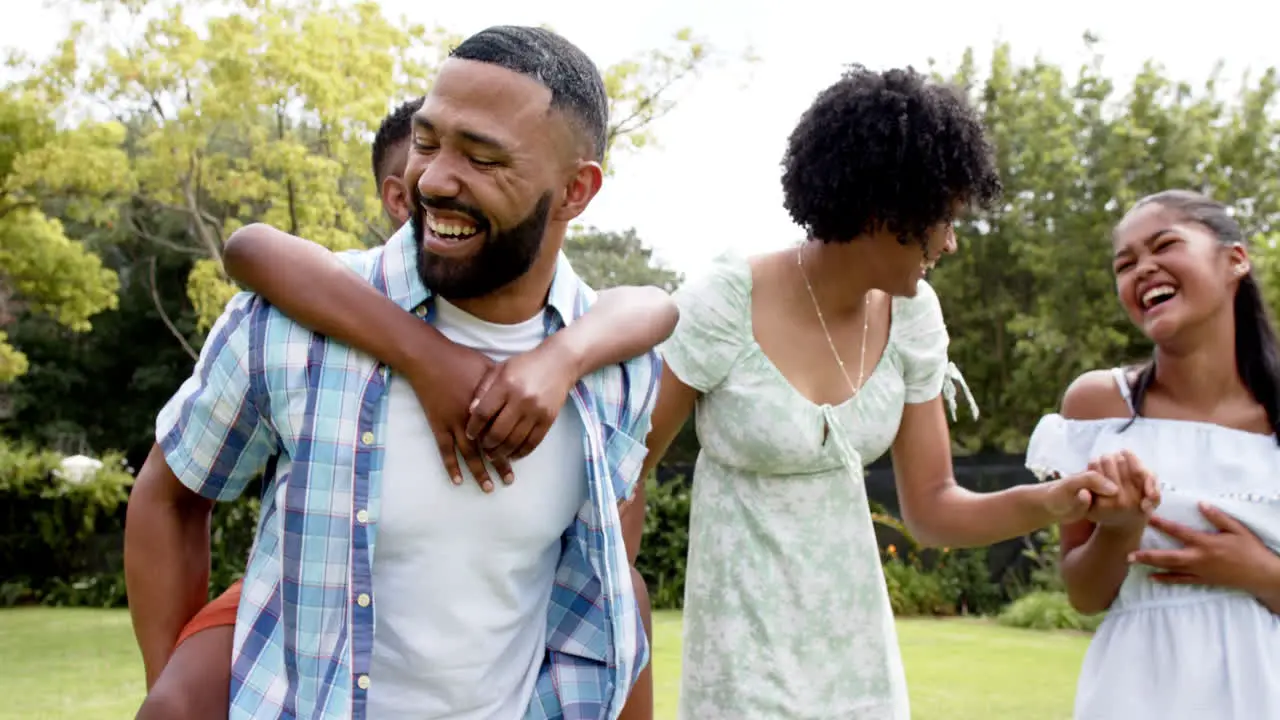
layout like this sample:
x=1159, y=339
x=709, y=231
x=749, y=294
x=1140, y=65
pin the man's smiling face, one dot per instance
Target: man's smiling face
x=482, y=177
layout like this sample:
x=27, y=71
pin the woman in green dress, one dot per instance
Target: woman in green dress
x=804, y=365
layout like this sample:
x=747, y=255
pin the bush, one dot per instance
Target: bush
x=967, y=579
x=1047, y=610
x=941, y=582
x=1043, y=549
x=231, y=534
x=666, y=541
x=914, y=591
x=59, y=530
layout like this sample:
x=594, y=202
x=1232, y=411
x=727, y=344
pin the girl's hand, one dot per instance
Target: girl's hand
x=1233, y=557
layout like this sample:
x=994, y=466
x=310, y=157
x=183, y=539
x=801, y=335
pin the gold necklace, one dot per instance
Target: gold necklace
x=866, y=323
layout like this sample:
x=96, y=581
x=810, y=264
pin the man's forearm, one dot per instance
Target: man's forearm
x=624, y=322
x=166, y=563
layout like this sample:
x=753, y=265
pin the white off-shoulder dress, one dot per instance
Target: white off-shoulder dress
x=786, y=613
x=1169, y=652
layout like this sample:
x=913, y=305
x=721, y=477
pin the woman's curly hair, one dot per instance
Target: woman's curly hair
x=889, y=150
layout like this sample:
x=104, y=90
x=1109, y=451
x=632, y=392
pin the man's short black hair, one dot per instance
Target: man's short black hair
x=886, y=150
x=573, y=79
x=395, y=129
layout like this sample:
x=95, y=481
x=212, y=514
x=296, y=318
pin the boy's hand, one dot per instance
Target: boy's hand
x=518, y=400
x=445, y=386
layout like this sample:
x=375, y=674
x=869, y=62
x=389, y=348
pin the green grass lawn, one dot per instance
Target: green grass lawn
x=82, y=665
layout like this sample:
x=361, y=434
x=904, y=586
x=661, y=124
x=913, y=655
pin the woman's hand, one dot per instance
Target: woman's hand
x=1233, y=557
x=1069, y=499
x=1138, y=496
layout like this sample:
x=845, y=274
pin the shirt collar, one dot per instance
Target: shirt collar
x=405, y=287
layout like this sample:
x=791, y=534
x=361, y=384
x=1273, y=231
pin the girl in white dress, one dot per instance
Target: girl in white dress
x=1192, y=590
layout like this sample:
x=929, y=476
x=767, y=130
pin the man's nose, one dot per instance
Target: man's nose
x=439, y=177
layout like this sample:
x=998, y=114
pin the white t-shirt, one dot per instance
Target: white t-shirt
x=462, y=580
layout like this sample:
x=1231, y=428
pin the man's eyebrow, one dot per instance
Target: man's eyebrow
x=470, y=136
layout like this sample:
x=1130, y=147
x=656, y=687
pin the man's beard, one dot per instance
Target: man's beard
x=504, y=256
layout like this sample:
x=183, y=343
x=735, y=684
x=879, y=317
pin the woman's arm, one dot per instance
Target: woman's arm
x=938, y=512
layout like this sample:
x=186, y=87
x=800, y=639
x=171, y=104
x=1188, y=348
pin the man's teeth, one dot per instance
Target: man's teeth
x=451, y=229
x=1157, y=294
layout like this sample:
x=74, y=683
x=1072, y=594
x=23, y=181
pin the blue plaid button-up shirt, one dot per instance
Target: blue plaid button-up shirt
x=266, y=388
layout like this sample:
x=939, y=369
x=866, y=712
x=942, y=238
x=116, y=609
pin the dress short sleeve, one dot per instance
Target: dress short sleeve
x=714, y=326
x=922, y=343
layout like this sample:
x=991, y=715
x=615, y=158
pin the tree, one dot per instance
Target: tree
x=608, y=259
x=1030, y=298
x=44, y=169
x=267, y=113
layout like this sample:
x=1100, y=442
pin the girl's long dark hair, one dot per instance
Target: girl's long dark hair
x=1257, y=357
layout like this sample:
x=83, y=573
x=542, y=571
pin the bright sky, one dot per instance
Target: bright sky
x=713, y=181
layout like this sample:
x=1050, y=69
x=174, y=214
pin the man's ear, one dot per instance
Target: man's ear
x=580, y=190
x=395, y=199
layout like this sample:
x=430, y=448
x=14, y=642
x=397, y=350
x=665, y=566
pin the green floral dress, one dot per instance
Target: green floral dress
x=786, y=613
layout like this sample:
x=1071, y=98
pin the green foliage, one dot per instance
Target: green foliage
x=1047, y=610
x=42, y=269
x=89, y=391
x=915, y=591
x=1044, y=605
x=264, y=112
x=666, y=541
x=941, y=582
x=609, y=259
x=231, y=538
x=1044, y=551
x=1030, y=297
x=53, y=526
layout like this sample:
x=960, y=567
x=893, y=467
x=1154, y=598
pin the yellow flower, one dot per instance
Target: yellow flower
x=893, y=551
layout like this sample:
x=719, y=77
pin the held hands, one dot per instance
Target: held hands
x=1138, y=496
x=1115, y=490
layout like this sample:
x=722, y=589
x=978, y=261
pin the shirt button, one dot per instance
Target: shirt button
x=367, y=438
x=362, y=517
x=363, y=682
x=363, y=600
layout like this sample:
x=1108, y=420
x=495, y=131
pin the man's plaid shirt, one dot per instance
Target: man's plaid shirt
x=265, y=387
